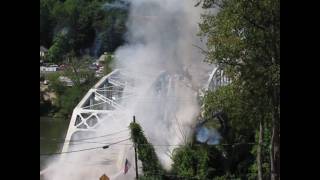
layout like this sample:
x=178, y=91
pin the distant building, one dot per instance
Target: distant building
x=43, y=51
x=48, y=69
x=103, y=57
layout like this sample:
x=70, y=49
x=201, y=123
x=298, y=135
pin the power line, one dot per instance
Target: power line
x=155, y=145
x=50, y=154
x=58, y=153
x=252, y=143
x=87, y=138
x=54, y=141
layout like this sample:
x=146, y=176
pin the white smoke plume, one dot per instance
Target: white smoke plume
x=161, y=38
x=167, y=71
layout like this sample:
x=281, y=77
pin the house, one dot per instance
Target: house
x=48, y=69
x=102, y=58
x=43, y=51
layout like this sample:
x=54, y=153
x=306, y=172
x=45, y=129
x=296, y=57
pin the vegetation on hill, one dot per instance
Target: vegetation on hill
x=244, y=39
x=81, y=26
x=75, y=32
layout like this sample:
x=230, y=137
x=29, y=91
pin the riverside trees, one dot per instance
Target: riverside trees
x=77, y=25
x=244, y=39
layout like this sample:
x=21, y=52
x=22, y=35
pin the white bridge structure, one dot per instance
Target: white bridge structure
x=217, y=78
x=100, y=101
x=104, y=101
x=105, y=97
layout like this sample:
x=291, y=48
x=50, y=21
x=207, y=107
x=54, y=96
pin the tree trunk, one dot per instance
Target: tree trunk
x=275, y=139
x=275, y=153
x=259, y=163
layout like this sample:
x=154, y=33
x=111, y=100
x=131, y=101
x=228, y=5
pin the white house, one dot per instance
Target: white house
x=48, y=69
x=102, y=58
x=43, y=51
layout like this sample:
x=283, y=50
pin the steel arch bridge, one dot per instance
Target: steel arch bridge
x=104, y=100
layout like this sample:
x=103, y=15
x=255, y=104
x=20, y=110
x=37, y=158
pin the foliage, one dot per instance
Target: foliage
x=81, y=21
x=77, y=69
x=68, y=97
x=107, y=64
x=190, y=161
x=45, y=24
x=54, y=83
x=235, y=158
x=244, y=40
x=57, y=51
x=235, y=105
x=68, y=100
x=265, y=156
x=69, y=28
x=146, y=153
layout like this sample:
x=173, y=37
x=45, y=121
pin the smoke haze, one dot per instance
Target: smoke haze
x=167, y=69
x=166, y=72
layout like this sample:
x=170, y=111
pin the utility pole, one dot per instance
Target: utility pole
x=135, y=152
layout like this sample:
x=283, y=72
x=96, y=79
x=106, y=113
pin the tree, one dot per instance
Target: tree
x=146, y=153
x=77, y=69
x=107, y=64
x=244, y=40
x=112, y=35
x=45, y=24
x=82, y=20
x=68, y=100
x=239, y=122
x=54, y=83
x=190, y=161
x=57, y=51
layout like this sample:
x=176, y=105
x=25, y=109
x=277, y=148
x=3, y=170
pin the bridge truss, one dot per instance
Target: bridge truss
x=102, y=100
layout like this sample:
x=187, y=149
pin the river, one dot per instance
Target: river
x=52, y=134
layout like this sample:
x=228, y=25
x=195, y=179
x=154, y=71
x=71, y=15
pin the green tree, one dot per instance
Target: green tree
x=83, y=20
x=107, y=64
x=237, y=128
x=190, y=161
x=57, y=51
x=46, y=24
x=54, y=83
x=68, y=100
x=146, y=153
x=77, y=69
x=244, y=39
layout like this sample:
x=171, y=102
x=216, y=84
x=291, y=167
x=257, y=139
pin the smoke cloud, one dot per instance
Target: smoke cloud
x=208, y=135
x=166, y=72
